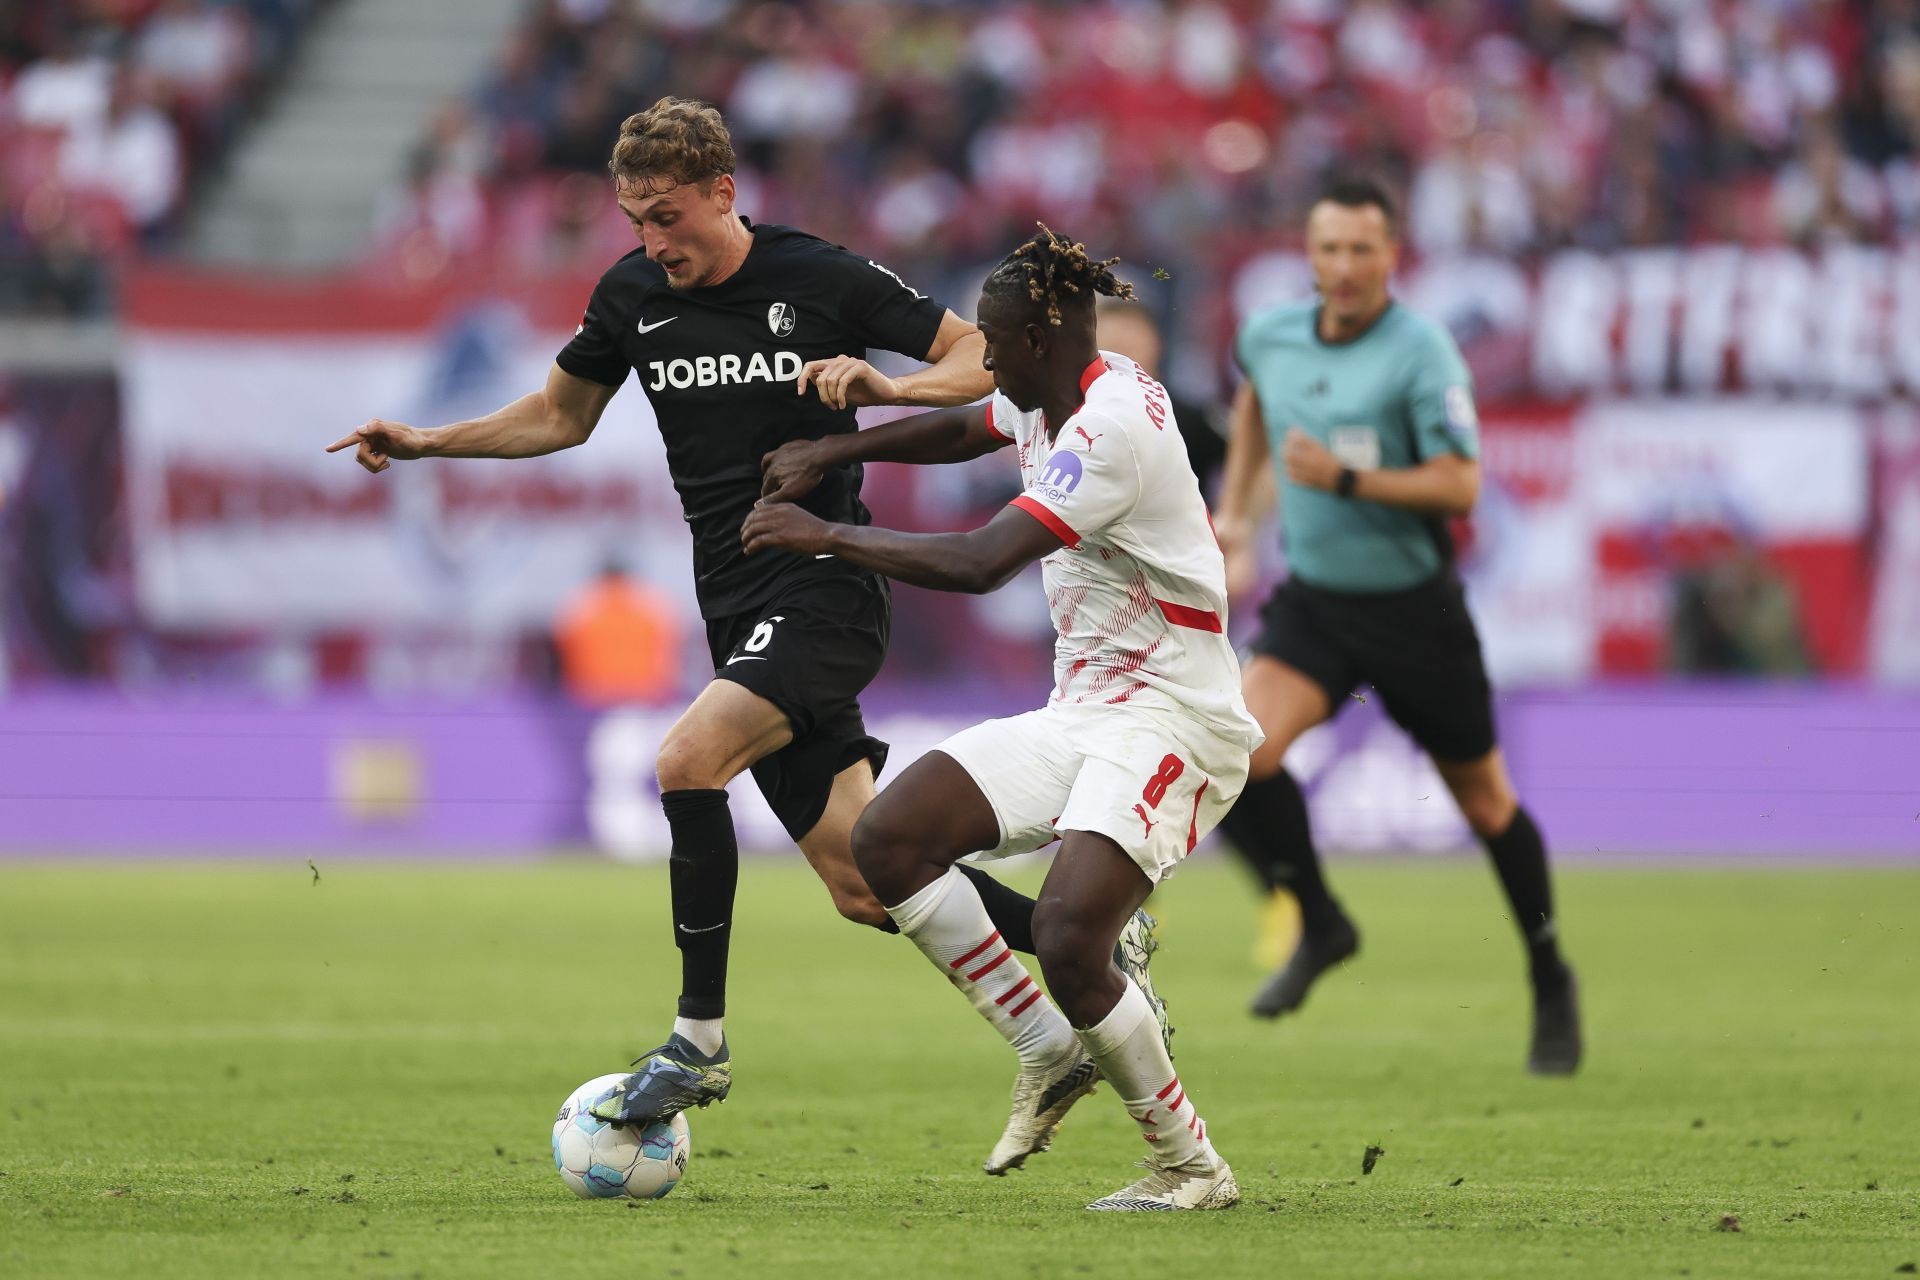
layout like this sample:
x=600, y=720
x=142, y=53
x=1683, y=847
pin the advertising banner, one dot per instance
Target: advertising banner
x=239, y=519
x=1642, y=769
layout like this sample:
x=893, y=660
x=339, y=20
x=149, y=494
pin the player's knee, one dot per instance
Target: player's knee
x=854, y=900
x=881, y=847
x=1267, y=761
x=683, y=765
x=1488, y=809
x=861, y=907
x=1068, y=948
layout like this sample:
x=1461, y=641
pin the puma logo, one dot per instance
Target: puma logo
x=1082, y=433
x=1150, y=823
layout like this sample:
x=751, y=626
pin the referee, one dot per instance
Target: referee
x=745, y=337
x=1367, y=410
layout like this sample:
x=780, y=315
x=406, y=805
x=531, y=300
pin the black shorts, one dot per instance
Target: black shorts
x=1417, y=649
x=810, y=651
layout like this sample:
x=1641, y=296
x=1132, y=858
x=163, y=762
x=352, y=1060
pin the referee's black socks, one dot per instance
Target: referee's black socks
x=703, y=868
x=1520, y=859
x=1268, y=824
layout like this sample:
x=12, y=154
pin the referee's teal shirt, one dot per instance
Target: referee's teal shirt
x=1393, y=397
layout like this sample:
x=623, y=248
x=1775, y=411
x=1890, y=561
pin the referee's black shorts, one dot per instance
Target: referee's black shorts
x=1417, y=649
x=810, y=651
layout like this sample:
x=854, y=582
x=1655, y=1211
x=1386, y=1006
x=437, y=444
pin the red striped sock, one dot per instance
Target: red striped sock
x=1127, y=1045
x=947, y=921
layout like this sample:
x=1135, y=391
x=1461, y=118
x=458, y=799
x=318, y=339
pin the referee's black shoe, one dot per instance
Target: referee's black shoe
x=1320, y=950
x=1556, y=1029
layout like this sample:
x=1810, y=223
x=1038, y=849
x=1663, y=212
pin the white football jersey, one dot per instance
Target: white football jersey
x=1138, y=593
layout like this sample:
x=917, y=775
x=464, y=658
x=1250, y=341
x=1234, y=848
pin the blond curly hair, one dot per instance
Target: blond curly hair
x=674, y=142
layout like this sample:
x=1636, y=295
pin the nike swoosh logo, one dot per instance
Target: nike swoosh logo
x=708, y=929
x=744, y=658
x=649, y=328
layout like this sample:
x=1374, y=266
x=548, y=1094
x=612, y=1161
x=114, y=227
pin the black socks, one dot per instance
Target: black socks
x=1010, y=910
x=704, y=867
x=1520, y=860
x=1268, y=824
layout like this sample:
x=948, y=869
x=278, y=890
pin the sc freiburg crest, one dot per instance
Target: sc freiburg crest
x=780, y=319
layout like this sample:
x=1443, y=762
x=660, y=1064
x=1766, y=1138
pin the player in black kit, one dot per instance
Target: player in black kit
x=745, y=337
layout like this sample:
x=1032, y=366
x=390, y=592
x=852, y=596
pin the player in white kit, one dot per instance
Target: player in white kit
x=1139, y=752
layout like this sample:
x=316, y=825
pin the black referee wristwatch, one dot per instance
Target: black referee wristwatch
x=1344, y=485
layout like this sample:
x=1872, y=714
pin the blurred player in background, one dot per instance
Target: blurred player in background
x=1138, y=753
x=618, y=642
x=1368, y=412
x=730, y=325
x=1127, y=327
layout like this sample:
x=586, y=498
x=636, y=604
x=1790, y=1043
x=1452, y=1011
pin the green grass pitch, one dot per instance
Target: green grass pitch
x=238, y=1071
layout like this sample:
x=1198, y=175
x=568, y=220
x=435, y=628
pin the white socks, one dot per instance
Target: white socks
x=703, y=1034
x=1127, y=1045
x=948, y=923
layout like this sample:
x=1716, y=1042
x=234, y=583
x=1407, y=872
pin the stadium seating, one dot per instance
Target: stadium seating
x=108, y=110
x=933, y=132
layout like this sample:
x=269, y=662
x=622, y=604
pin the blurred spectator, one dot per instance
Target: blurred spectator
x=197, y=49
x=1129, y=329
x=107, y=110
x=131, y=155
x=1825, y=194
x=433, y=220
x=619, y=642
x=1737, y=615
x=63, y=89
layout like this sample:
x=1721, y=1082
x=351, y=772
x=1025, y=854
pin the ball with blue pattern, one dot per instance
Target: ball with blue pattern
x=599, y=1161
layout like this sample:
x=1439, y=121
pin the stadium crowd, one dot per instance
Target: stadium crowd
x=107, y=110
x=937, y=132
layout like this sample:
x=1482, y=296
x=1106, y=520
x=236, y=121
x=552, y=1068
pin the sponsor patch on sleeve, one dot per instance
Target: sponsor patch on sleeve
x=1462, y=417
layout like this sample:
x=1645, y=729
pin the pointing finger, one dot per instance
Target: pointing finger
x=344, y=442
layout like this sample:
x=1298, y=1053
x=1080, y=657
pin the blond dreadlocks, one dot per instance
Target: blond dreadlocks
x=1052, y=270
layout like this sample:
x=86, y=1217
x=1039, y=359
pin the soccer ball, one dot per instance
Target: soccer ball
x=599, y=1161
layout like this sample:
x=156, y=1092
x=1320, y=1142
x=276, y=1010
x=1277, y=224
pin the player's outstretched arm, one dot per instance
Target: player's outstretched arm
x=790, y=472
x=558, y=416
x=1444, y=485
x=975, y=563
x=956, y=375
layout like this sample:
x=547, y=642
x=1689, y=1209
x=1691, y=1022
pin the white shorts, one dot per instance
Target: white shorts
x=1152, y=781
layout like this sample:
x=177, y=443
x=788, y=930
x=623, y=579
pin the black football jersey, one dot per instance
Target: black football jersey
x=720, y=364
